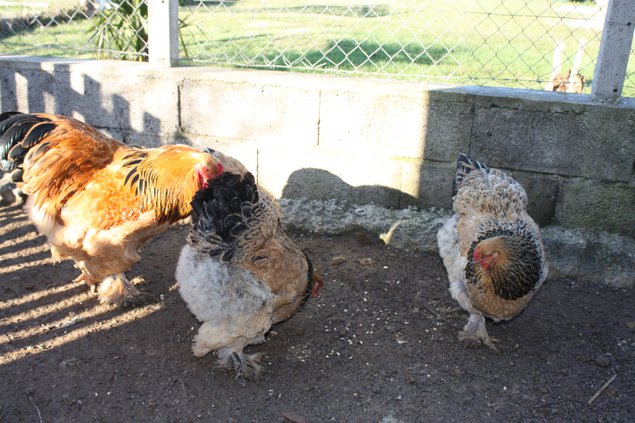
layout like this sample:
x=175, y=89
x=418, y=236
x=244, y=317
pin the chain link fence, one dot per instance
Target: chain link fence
x=537, y=44
x=97, y=29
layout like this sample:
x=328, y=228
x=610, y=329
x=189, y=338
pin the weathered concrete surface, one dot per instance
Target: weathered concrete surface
x=555, y=137
x=581, y=201
x=391, y=143
x=586, y=255
x=592, y=256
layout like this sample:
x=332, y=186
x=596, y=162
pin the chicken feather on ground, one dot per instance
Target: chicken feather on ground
x=97, y=200
x=239, y=273
x=491, y=248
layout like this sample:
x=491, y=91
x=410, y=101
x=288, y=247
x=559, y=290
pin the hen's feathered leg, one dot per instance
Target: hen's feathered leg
x=212, y=335
x=118, y=290
x=245, y=365
x=474, y=333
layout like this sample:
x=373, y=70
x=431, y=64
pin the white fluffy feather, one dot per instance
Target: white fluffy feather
x=454, y=262
x=233, y=305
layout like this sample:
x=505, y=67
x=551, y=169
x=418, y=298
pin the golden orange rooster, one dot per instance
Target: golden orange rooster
x=97, y=200
x=491, y=248
x=239, y=273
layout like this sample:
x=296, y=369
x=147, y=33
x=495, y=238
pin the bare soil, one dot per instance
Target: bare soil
x=379, y=345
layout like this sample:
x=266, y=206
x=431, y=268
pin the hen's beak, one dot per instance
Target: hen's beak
x=486, y=262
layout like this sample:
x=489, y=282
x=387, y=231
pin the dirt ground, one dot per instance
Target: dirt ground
x=379, y=345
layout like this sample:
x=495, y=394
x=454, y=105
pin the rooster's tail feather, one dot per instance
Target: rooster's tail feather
x=19, y=133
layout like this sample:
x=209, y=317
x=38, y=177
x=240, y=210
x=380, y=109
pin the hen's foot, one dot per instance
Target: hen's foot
x=475, y=334
x=476, y=341
x=450, y=310
x=246, y=366
x=118, y=290
x=87, y=280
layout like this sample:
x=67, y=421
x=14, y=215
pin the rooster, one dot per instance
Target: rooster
x=239, y=273
x=491, y=248
x=97, y=200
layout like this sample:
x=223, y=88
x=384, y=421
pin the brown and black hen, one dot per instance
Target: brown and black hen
x=239, y=273
x=491, y=248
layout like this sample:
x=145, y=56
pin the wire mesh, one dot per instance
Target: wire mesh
x=100, y=29
x=538, y=44
x=516, y=43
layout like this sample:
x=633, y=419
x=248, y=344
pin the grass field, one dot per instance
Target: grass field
x=481, y=42
x=15, y=8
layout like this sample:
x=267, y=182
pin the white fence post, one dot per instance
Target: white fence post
x=615, y=49
x=163, y=32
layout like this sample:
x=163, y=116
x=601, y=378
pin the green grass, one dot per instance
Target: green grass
x=484, y=42
x=463, y=46
x=30, y=7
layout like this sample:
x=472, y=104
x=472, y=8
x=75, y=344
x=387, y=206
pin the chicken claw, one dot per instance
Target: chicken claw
x=474, y=334
x=245, y=365
x=475, y=341
x=118, y=290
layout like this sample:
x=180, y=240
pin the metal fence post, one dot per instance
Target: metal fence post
x=163, y=32
x=615, y=49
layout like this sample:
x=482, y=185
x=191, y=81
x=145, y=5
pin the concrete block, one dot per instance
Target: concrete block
x=594, y=256
x=26, y=90
x=410, y=189
x=127, y=97
x=448, y=122
x=320, y=174
x=389, y=142
x=245, y=152
x=234, y=110
x=542, y=192
x=589, y=203
x=387, y=123
x=435, y=188
x=566, y=143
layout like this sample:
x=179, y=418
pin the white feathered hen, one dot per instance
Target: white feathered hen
x=239, y=272
x=491, y=248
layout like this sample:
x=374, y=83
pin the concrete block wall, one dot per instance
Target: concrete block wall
x=387, y=142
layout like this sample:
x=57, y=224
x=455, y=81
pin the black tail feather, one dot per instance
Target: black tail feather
x=19, y=132
x=7, y=119
x=465, y=165
x=37, y=133
x=16, y=176
x=220, y=212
